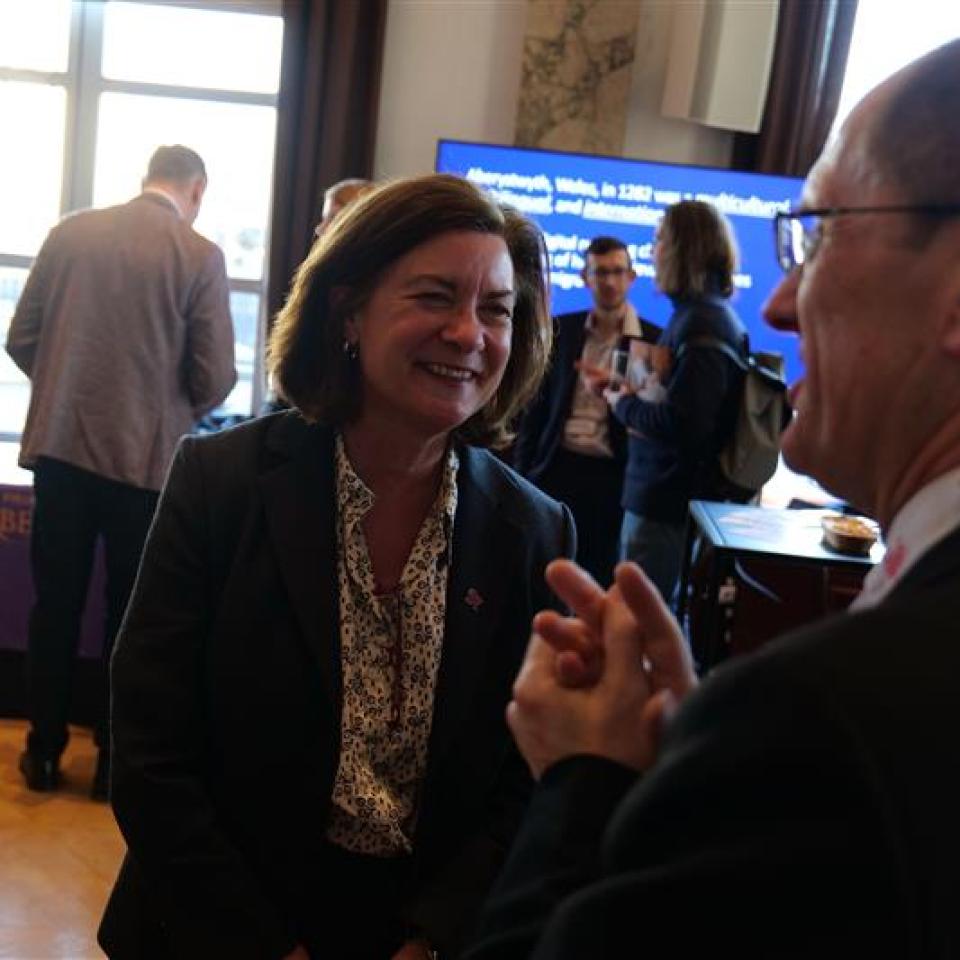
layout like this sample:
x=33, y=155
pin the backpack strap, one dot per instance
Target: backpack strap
x=715, y=343
x=760, y=363
x=713, y=475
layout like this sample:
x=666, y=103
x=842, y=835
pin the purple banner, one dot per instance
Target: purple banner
x=16, y=582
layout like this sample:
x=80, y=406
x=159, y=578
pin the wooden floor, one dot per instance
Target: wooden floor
x=59, y=855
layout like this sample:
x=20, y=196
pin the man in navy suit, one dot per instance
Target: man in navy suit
x=568, y=443
x=803, y=802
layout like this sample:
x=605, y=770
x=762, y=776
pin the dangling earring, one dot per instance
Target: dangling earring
x=352, y=350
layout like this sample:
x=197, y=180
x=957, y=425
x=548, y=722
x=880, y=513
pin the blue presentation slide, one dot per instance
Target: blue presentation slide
x=576, y=197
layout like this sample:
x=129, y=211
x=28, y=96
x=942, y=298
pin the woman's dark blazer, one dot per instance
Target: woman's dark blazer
x=226, y=697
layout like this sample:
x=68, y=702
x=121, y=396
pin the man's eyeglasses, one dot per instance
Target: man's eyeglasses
x=611, y=273
x=798, y=232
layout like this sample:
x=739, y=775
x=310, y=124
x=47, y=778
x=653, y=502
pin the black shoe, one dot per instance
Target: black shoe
x=41, y=773
x=101, y=777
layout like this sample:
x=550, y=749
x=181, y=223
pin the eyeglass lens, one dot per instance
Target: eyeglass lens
x=794, y=241
x=614, y=273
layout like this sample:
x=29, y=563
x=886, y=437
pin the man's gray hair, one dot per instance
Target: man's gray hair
x=175, y=164
x=354, y=182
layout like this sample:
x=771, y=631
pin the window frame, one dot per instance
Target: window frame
x=84, y=84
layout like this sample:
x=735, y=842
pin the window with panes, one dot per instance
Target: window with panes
x=88, y=89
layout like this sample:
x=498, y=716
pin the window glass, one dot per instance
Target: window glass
x=236, y=143
x=35, y=34
x=14, y=386
x=883, y=42
x=31, y=163
x=192, y=48
x=245, y=308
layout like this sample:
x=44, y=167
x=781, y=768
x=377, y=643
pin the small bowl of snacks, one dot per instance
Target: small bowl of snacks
x=847, y=534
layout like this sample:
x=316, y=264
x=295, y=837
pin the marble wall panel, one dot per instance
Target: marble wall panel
x=577, y=68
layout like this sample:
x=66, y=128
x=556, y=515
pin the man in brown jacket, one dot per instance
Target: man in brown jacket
x=124, y=330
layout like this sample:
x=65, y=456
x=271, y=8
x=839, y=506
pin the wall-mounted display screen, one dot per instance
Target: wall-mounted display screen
x=575, y=197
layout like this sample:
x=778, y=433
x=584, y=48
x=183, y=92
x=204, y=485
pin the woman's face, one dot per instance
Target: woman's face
x=434, y=336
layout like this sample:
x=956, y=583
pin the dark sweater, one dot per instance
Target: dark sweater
x=673, y=449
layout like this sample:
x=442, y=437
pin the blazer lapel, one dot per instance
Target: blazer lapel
x=298, y=493
x=476, y=593
x=574, y=345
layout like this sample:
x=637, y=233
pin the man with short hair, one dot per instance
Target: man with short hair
x=569, y=444
x=803, y=802
x=124, y=330
x=335, y=198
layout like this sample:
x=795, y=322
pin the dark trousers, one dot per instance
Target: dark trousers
x=72, y=508
x=591, y=488
x=657, y=546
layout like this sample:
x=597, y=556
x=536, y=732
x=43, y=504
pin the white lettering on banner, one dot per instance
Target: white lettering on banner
x=574, y=207
x=566, y=281
x=576, y=186
x=525, y=204
x=560, y=241
x=634, y=197
x=538, y=183
x=616, y=213
x=636, y=204
x=753, y=206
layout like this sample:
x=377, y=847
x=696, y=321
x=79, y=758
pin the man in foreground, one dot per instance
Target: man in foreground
x=803, y=802
x=124, y=330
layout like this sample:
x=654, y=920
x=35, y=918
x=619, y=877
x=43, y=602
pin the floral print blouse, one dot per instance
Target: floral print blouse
x=390, y=646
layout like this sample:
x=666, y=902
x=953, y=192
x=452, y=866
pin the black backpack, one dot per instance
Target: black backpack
x=749, y=458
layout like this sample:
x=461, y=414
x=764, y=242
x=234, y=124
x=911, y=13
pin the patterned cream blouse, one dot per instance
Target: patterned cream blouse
x=390, y=649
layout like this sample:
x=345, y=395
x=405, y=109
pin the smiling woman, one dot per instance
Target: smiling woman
x=310, y=686
x=380, y=236
x=434, y=338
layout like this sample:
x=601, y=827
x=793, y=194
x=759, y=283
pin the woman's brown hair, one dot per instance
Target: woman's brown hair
x=306, y=355
x=697, y=251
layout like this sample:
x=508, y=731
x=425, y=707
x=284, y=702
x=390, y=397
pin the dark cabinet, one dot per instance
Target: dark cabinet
x=753, y=573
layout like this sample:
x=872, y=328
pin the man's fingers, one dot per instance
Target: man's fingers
x=565, y=633
x=623, y=638
x=539, y=665
x=589, y=368
x=573, y=672
x=657, y=713
x=663, y=642
x=641, y=596
x=579, y=591
x=595, y=378
x=539, y=655
x=579, y=659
